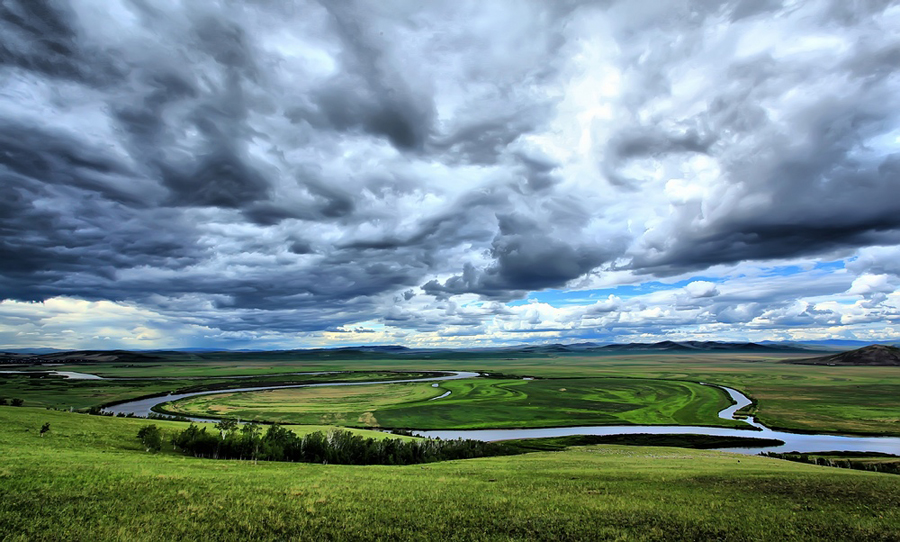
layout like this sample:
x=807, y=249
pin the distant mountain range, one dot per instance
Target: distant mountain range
x=664, y=346
x=43, y=355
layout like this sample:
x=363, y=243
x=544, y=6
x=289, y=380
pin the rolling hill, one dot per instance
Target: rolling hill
x=876, y=355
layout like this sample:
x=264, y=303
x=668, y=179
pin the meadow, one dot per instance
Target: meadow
x=39, y=389
x=89, y=478
x=477, y=403
x=792, y=397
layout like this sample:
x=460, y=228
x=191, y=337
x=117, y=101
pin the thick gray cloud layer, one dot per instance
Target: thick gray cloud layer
x=301, y=166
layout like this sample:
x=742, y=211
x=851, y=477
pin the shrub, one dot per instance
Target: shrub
x=150, y=437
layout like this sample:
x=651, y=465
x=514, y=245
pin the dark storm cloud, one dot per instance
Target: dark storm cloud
x=46, y=250
x=63, y=159
x=750, y=8
x=647, y=142
x=38, y=36
x=820, y=193
x=810, y=182
x=301, y=166
x=481, y=140
x=526, y=258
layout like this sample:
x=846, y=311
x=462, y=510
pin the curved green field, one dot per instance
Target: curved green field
x=477, y=403
x=342, y=405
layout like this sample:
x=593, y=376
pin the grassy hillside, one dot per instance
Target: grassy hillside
x=88, y=479
x=872, y=356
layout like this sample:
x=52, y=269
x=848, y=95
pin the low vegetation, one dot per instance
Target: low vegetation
x=341, y=447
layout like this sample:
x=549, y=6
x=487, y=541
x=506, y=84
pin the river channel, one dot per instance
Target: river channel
x=800, y=442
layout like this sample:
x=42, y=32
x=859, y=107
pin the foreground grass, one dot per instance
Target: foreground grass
x=88, y=480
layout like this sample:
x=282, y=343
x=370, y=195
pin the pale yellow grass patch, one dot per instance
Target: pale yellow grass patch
x=368, y=419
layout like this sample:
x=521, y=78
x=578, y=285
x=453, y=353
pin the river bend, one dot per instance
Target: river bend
x=798, y=442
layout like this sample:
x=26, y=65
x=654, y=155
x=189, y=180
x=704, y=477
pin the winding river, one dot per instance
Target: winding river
x=792, y=441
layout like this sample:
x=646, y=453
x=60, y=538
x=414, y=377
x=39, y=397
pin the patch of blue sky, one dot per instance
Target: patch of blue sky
x=830, y=266
x=558, y=298
x=783, y=271
x=786, y=270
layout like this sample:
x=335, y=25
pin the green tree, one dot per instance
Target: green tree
x=250, y=434
x=150, y=437
x=226, y=426
x=17, y=402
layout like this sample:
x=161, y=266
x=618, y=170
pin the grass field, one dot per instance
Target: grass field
x=477, y=403
x=341, y=405
x=794, y=397
x=88, y=479
x=58, y=392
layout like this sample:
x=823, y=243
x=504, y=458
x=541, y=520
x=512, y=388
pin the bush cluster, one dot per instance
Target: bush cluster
x=231, y=441
x=892, y=467
x=151, y=437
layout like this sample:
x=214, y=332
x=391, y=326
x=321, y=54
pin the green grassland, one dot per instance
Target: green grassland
x=340, y=405
x=39, y=389
x=89, y=479
x=477, y=403
x=793, y=397
x=841, y=407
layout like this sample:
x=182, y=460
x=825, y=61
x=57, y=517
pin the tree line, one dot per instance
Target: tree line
x=890, y=467
x=249, y=442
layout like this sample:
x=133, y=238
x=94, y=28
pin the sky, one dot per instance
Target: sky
x=275, y=174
